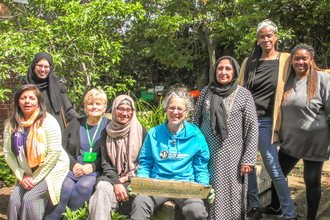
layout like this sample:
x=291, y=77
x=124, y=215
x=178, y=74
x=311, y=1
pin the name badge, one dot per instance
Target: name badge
x=90, y=157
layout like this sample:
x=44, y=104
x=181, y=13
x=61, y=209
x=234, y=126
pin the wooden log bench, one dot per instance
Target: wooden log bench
x=170, y=189
x=169, y=211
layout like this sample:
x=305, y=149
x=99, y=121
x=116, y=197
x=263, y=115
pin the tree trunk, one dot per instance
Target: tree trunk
x=203, y=78
x=207, y=43
x=211, y=47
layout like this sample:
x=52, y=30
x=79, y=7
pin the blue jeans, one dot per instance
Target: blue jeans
x=270, y=158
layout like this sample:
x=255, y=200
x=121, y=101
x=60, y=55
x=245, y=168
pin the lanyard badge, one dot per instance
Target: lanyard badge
x=91, y=156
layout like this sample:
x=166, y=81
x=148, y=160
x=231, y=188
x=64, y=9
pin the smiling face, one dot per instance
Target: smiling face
x=176, y=111
x=301, y=62
x=41, y=68
x=267, y=39
x=95, y=107
x=124, y=113
x=28, y=103
x=225, y=72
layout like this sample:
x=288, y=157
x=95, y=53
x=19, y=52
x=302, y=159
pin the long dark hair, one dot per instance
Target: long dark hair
x=15, y=119
x=251, y=64
x=311, y=78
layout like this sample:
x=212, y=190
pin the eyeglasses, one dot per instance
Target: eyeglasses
x=127, y=110
x=40, y=66
x=173, y=108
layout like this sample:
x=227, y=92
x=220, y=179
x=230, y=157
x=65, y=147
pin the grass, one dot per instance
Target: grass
x=149, y=115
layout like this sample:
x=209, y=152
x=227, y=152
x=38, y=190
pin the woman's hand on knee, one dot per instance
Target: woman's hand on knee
x=75, y=170
x=27, y=182
x=120, y=192
x=80, y=170
x=86, y=169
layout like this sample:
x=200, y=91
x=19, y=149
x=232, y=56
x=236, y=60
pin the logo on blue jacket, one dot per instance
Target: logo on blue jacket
x=163, y=154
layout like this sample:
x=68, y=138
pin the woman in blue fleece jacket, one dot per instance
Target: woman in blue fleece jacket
x=175, y=150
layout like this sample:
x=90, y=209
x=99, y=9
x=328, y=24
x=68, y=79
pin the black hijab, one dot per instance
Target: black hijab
x=51, y=82
x=217, y=108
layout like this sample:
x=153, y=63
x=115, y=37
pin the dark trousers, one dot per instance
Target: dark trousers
x=312, y=178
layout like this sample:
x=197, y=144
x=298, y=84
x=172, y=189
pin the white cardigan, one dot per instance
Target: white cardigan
x=56, y=165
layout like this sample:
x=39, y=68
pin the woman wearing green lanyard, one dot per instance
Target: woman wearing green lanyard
x=81, y=140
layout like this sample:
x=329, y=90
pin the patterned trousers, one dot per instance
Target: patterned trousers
x=28, y=204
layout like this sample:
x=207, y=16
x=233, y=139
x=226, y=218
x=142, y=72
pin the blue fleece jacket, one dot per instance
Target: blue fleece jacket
x=183, y=156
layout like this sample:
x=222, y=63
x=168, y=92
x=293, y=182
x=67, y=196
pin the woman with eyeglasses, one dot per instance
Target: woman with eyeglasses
x=41, y=74
x=81, y=140
x=175, y=150
x=120, y=145
x=226, y=115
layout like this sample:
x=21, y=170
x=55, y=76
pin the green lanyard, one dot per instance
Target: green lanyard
x=89, y=138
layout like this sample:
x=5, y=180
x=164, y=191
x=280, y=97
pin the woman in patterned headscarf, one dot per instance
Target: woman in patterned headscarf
x=120, y=144
x=41, y=74
x=221, y=110
x=263, y=74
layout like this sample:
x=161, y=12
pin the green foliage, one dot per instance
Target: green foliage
x=117, y=216
x=79, y=214
x=3, y=97
x=139, y=44
x=149, y=115
x=309, y=20
x=82, y=214
x=6, y=175
x=74, y=32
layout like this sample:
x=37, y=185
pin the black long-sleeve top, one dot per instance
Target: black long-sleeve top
x=109, y=170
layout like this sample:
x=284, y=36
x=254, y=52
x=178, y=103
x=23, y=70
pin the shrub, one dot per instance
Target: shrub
x=117, y=216
x=6, y=175
x=148, y=115
x=79, y=214
x=82, y=214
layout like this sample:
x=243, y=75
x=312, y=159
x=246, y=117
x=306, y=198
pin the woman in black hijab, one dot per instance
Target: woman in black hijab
x=226, y=115
x=41, y=74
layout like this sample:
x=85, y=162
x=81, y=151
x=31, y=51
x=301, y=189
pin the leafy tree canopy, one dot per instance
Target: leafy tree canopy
x=138, y=44
x=75, y=33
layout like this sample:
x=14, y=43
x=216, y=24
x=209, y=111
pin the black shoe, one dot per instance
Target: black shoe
x=271, y=211
x=254, y=214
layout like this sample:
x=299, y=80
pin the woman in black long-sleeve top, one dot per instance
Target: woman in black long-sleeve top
x=41, y=74
x=81, y=140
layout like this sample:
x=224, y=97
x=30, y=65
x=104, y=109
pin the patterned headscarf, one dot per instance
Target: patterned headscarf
x=267, y=23
x=124, y=141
